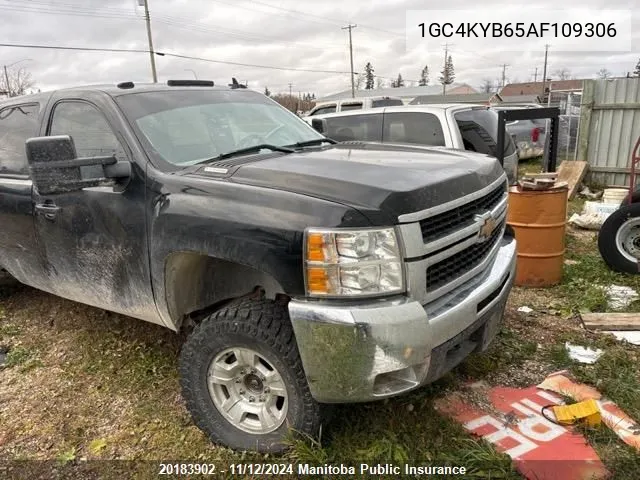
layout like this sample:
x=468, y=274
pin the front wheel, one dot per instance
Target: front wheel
x=242, y=378
x=619, y=239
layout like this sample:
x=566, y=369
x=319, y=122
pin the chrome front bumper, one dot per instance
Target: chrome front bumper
x=356, y=352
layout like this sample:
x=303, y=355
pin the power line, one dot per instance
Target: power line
x=167, y=54
x=177, y=22
x=335, y=21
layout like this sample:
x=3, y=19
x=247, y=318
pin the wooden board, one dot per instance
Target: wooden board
x=611, y=321
x=572, y=172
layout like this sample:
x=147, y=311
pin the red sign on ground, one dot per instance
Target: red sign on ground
x=513, y=423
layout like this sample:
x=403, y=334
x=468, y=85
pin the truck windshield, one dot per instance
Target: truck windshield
x=184, y=127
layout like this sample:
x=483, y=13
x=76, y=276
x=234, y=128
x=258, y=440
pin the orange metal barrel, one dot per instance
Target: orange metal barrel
x=538, y=219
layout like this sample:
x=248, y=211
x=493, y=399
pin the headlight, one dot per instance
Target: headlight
x=352, y=263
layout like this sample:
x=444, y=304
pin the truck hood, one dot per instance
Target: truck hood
x=377, y=179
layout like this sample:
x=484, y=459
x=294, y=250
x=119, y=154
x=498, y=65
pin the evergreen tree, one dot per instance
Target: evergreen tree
x=636, y=72
x=398, y=83
x=267, y=92
x=424, y=77
x=447, y=73
x=369, y=82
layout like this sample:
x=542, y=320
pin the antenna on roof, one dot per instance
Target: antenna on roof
x=234, y=84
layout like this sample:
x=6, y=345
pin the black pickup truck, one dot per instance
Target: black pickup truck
x=305, y=272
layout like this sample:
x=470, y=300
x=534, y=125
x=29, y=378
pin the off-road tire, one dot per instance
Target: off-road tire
x=607, y=239
x=263, y=326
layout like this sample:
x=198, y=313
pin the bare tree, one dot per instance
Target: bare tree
x=487, y=86
x=562, y=74
x=636, y=72
x=360, y=80
x=603, y=73
x=15, y=81
x=380, y=83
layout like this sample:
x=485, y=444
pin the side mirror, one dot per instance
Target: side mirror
x=56, y=168
x=319, y=124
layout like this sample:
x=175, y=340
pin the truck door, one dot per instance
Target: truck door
x=94, y=238
x=19, y=253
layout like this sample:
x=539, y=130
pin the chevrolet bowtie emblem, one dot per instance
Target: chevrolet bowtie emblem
x=487, y=227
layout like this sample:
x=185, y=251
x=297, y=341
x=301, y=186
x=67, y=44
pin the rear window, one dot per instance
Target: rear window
x=366, y=128
x=351, y=106
x=415, y=128
x=479, y=130
x=386, y=102
x=321, y=110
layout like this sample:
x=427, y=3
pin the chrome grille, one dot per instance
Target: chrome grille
x=450, y=268
x=446, y=222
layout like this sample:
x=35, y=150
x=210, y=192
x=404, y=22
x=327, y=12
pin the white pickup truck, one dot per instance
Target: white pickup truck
x=350, y=104
x=459, y=126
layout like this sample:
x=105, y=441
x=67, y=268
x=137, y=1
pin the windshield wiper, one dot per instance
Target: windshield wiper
x=246, y=150
x=315, y=141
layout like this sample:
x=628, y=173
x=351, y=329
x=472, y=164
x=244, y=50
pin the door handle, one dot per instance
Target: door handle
x=49, y=209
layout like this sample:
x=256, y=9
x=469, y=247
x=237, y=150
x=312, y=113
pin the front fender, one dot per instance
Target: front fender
x=256, y=227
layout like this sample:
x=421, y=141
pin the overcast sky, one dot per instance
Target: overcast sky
x=282, y=33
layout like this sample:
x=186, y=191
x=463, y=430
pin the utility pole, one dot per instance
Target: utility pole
x=353, y=87
x=444, y=69
x=151, y=52
x=544, y=71
x=504, y=73
x=6, y=78
x=290, y=85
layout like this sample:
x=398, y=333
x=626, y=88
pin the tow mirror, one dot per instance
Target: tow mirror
x=320, y=125
x=56, y=168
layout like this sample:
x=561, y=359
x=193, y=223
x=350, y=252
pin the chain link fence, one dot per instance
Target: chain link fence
x=568, y=101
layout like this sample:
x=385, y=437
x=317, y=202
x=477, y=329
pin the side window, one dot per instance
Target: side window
x=479, y=131
x=366, y=128
x=414, y=127
x=87, y=127
x=350, y=106
x=17, y=124
x=327, y=109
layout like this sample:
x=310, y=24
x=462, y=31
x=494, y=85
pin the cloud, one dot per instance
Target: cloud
x=252, y=31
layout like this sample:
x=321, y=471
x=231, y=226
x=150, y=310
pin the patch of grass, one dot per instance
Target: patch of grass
x=23, y=357
x=9, y=330
x=530, y=166
x=580, y=290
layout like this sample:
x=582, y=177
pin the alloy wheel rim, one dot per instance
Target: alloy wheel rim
x=628, y=239
x=247, y=390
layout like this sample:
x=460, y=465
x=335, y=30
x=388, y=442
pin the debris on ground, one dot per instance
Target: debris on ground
x=572, y=172
x=620, y=296
x=590, y=221
x=611, y=321
x=514, y=423
x=632, y=336
x=582, y=354
x=525, y=309
x=587, y=410
x=593, y=215
x=589, y=195
x=612, y=416
x=571, y=262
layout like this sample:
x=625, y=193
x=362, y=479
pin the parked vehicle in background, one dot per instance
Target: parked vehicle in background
x=300, y=272
x=461, y=126
x=529, y=135
x=354, y=104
